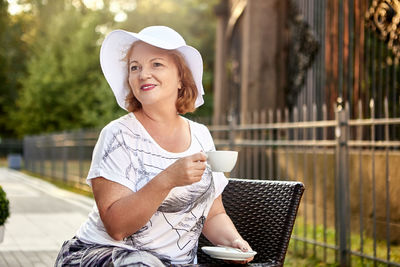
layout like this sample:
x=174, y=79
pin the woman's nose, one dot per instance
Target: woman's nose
x=145, y=73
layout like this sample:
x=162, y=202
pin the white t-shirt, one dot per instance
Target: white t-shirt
x=126, y=153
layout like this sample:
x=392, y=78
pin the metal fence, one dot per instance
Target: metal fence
x=349, y=213
x=10, y=146
x=63, y=156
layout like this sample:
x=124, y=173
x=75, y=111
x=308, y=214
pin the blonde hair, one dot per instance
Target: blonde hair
x=187, y=94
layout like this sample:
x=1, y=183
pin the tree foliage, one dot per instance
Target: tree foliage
x=13, y=52
x=64, y=88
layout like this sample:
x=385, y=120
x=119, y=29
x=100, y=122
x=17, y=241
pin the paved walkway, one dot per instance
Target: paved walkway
x=42, y=217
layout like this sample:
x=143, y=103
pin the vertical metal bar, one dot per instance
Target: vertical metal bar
x=337, y=187
x=270, y=154
x=286, y=147
x=277, y=150
x=314, y=118
x=26, y=149
x=34, y=154
x=305, y=179
x=296, y=159
x=231, y=135
x=65, y=155
x=81, y=136
x=53, y=156
x=325, y=137
x=47, y=156
x=387, y=183
x=25, y=152
x=249, y=171
x=41, y=144
x=346, y=184
x=342, y=189
x=361, y=190
x=372, y=107
x=256, y=150
x=263, y=137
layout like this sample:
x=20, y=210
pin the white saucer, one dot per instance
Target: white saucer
x=226, y=253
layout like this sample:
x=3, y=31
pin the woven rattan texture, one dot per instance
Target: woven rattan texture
x=264, y=213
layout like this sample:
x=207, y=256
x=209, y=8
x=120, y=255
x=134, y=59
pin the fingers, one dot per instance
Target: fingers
x=241, y=244
x=200, y=156
x=198, y=161
x=187, y=170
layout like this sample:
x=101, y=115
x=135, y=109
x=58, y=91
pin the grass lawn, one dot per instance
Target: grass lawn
x=304, y=254
x=72, y=187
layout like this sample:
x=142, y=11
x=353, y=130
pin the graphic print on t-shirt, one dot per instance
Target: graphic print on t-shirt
x=193, y=201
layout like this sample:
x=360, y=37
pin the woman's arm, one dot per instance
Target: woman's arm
x=124, y=212
x=220, y=230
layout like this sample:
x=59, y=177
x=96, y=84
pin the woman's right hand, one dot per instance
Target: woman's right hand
x=187, y=170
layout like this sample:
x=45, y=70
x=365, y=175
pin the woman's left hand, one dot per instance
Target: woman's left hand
x=220, y=230
x=241, y=244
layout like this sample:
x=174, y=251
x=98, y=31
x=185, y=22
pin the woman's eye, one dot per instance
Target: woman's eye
x=157, y=64
x=133, y=68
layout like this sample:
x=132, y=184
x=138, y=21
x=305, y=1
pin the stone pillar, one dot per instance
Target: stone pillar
x=263, y=55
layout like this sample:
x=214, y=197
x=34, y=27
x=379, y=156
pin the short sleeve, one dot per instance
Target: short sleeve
x=111, y=159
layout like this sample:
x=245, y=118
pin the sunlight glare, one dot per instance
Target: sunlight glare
x=15, y=8
x=120, y=16
x=94, y=4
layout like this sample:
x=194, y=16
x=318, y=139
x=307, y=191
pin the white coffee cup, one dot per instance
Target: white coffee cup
x=222, y=160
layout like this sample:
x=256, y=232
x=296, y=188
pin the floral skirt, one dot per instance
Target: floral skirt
x=77, y=253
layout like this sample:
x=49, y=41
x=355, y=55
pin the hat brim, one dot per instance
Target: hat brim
x=113, y=63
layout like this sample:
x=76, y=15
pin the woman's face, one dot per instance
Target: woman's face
x=153, y=76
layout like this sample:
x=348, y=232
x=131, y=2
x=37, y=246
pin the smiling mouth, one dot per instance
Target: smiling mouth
x=147, y=87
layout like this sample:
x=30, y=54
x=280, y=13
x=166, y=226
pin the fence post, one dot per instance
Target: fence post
x=80, y=143
x=26, y=149
x=65, y=156
x=232, y=129
x=342, y=213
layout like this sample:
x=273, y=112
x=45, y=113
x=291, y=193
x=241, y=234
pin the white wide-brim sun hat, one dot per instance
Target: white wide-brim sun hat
x=117, y=43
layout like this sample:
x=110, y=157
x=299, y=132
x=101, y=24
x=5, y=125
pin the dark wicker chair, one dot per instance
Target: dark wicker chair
x=264, y=213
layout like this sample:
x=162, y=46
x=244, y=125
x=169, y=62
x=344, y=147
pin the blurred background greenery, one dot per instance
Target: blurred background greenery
x=50, y=77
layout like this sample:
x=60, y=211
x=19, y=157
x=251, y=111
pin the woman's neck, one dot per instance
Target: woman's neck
x=170, y=131
x=158, y=116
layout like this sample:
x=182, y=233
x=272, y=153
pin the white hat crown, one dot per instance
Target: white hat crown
x=167, y=36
